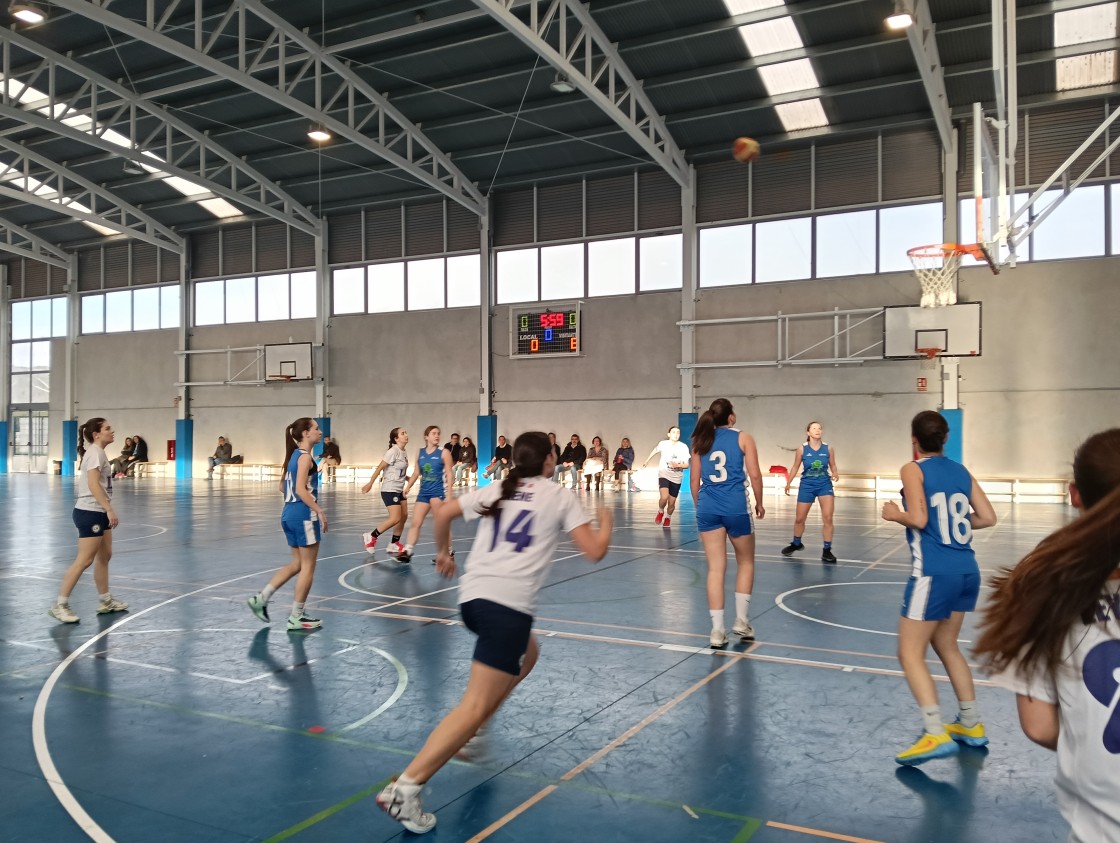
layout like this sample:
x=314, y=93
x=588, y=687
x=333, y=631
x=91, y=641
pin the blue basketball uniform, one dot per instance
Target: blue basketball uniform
x=815, y=478
x=300, y=524
x=431, y=475
x=945, y=577
x=723, y=499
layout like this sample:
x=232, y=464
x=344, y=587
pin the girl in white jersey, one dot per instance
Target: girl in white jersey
x=522, y=520
x=95, y=520
x=393, y=469
x=1052, y=633
x=670, y=473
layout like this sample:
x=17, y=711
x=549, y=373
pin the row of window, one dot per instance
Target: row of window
x=39, y=319
x=265, y=298
x=429, y=284
x=123, y=311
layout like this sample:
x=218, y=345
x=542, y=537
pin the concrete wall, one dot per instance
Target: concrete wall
x=1048, y=376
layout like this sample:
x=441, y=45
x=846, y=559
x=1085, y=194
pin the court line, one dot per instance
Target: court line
x=328, y=812
x=600, y=754
x=901, y=545
x=38, y=719
x=817, y=833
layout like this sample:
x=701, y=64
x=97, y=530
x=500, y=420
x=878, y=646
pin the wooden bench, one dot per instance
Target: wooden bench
x=140, y=469
x=259, y=472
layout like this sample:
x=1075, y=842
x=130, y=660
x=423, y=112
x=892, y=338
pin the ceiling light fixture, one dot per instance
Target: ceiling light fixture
x=902, y=17
x=562, y=84
x=319, y=134
x=27, y=13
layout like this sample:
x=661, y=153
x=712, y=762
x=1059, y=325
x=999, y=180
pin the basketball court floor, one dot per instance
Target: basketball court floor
x=188, y=720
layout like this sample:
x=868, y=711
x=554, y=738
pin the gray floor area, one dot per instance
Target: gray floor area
x=187, y=719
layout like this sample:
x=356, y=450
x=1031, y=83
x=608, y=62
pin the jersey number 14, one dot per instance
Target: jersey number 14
x=519, y=533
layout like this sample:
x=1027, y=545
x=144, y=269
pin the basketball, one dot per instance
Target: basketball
x=746, y=149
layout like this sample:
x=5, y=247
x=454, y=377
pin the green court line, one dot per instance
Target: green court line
x=747, y=831
x=329, y=812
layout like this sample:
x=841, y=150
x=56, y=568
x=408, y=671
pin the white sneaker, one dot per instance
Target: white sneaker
x=718, y=638
x=395, y=549
x=405, y=808
x=476, y=750
x=743, y=629
x=369, y=542
x=104, y=607
x=63, y=612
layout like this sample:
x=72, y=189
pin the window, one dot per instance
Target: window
x=93, y=314
x=966, y=225
x=21, y=357
x=464, y=281
x=846, y=244
x=904, y=228
x=118, y=312
x=169, y=303
x=725, y=255
x=1075, y=228
x=21, y=320
x=562, y=272
x=386, y=287
x=34, y=322
x=39, y=319
x=305, y=296
x=273, y=298
x=210, y=302
x=425, y=284
x=784, y=250
x=661, y=262
x=1115, y=208
x=611, y=267
x=145, y=309
x=40, y=356
x=517, y=276
x=350, y=290
x=241, y=300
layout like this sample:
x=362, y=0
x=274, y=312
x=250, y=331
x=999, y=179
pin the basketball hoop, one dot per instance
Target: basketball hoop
x=936, y=267
x=928, y=355
x=281, y=378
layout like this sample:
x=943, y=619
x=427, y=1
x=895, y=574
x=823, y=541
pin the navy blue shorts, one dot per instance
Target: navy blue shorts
x=736, y=525
x=814, y=487
x=503, y=634
x=936, y=597
x=674, y=488
x=429, y=496
x=91, y=524
x=393, y=498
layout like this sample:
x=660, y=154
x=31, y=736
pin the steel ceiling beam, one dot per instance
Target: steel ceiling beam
x=17, y=240
x=67, y=187
x=183, y=150
x=564, y=34
x=923, y=43
x=262, y=36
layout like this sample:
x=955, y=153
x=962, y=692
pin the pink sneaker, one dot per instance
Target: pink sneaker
x=660, y=516
x=665, y=523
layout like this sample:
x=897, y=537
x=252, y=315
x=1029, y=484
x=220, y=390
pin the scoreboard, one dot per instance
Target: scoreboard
x=545, y=332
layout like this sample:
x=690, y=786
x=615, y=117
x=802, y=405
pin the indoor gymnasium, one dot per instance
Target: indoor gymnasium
x=738, y=374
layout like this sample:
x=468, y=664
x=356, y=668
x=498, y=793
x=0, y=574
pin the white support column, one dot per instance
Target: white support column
x=485, y=327
x=689, y=249
x=951, y=220
x=322, y=320
x=950, y=383
x=5, y=351
x=186, y=313
x=73, y=337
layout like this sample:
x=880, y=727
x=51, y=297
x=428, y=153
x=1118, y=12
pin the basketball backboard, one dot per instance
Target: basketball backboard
x=954, y=330
x=285, y=362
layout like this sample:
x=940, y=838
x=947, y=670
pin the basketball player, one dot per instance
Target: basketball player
x=433, y=469
x=818, y=473
x=521, y=521
x=393, y=469
x=943, y=505
x=673, y=460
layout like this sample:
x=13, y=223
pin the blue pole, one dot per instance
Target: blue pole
x=184, y=448
x=325, y=426
x=3, y=447
x=69, y=446
x=954, y=445
x=487, y=441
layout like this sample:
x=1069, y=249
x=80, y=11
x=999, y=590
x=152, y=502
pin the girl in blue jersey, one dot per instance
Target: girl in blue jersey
x=818, y=473
x=943, y=505
x=303, y=521
x=433, y=470
x=720, y=453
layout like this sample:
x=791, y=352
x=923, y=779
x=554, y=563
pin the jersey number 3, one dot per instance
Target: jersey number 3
x=952, y=515
x=719, y=463
x=519, y=533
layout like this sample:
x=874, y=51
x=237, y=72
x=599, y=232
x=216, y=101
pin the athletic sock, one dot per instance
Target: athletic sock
x=106, y=597
x=661, y=509
x=828, y=545
x=969, y=714
x=796, y=541
x=376, y=532
x=297, y=610
x=931, y=719
x=408, y=785
x=63, y=601
x=717, y=618
x=408, y=548
x=742, y=605
x=396, y=539
x=266, y=593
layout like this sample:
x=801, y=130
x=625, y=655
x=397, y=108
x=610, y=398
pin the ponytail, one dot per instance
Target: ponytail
x=86, y=433
x=704, y=435
x=530, y=450
x=1037, y=602
x=293, y=435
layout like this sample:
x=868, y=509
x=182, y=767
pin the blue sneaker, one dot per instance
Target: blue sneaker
x=927, y=748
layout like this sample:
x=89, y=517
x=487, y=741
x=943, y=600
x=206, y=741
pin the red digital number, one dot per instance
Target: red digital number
x=575, y=344
x=534, y=344
x=552, y=320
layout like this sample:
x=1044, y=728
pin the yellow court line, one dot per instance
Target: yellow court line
x=610, y=747
x=818, y=833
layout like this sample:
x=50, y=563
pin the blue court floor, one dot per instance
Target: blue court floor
x=189, y=720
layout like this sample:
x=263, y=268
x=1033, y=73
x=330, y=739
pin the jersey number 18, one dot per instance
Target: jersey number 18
x=952, y=517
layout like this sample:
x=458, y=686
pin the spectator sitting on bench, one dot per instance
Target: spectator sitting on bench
x=503, y=460
x=139, y=454
x=118, y=464
x=332, y=459
x=223, y=455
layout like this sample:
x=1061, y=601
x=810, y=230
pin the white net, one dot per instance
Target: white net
x=936, y=268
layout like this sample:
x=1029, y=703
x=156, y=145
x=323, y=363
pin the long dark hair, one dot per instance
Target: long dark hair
x=717, y=415
x=86, y=433
x=931, y=430
x=393, y=436
x=530, y=450
x=294, y=435
x=1059, y=582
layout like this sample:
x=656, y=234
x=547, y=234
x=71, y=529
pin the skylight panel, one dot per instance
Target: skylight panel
x=788, y=76
x=742, y=7
x=1086, y=71
x=1081, y=26
x=771, y=36
x=803, y=114
x=37, y=188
